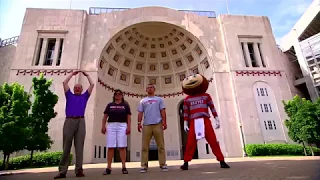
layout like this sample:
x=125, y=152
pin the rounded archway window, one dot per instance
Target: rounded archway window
x=152, y=53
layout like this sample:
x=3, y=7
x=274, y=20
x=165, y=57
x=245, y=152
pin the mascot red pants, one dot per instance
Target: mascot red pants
x=196, y=117
x=210, y=137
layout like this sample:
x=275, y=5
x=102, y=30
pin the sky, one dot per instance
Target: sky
x=283, y=14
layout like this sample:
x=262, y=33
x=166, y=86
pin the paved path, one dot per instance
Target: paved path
x=276, y=168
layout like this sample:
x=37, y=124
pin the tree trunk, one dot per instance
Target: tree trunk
x=312, y=153
x=7, y=162
x=31, y=156
x=4, y=161
x=304, y=149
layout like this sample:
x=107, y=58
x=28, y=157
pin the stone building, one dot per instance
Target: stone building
x=128, y=49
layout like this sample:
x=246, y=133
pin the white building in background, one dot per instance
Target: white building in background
x=302, y=45
x=127, y=49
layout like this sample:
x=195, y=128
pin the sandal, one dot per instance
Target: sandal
x=124, y=171
x=107, y=171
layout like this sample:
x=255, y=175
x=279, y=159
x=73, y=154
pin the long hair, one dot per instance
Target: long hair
x=114, y=94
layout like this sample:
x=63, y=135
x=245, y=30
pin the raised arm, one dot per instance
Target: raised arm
x=91, y=85
x=66, y=81
x=211, y=106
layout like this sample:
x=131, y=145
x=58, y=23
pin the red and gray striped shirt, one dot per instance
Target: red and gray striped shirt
x=197, y=107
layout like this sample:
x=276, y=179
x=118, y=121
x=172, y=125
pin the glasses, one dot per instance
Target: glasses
x=120, y=94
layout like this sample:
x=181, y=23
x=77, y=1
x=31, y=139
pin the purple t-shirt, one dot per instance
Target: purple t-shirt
x=76, y=104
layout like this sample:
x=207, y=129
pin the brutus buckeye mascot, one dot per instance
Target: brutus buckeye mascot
x=196, y=118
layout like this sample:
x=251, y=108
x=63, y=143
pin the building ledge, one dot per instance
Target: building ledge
x=299, y=81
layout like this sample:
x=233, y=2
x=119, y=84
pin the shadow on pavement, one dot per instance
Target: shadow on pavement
x=252, y=170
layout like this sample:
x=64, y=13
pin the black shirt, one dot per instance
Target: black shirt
x=117, y=112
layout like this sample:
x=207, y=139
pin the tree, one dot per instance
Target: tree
x=14, y=106
x=303, y=123
x=41, y=114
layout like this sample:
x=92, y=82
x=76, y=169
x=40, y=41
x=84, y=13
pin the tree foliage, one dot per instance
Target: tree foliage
x=41, y=114
x=14, y=106
x=303, y=123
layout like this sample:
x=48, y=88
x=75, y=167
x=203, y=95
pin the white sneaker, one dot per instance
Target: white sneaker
x=164, y=168
x=143, y=170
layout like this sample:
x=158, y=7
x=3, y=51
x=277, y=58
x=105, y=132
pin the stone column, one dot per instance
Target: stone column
x=43, y=51
x=247, y=55
x=56, y=52
x=257, y=54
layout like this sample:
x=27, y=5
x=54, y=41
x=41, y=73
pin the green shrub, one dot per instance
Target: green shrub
x=46, y=159
x=277, y=149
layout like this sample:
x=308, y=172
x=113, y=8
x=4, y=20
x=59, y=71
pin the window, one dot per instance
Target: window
x=105, y=152
x=261, y=107
x=262, y=59
x=266, y=91
x=99, y=151
x=258, y=91
x=270, y=125
x=38, y=55
x=95, y=151
x=262, y=92
x=274, y=125
x=270, y=108
x=266, y=107
x=265, y=125
x=244, y=54
x=59, y=53
x=252, y=56
x=50, y=52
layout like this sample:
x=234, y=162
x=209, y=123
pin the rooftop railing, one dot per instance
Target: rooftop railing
x=102, y=10
x=9, y=41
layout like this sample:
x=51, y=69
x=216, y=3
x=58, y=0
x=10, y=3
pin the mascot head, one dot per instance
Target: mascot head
x=195, y=84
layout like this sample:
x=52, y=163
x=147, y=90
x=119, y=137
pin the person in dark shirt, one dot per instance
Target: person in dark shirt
x=118, y=127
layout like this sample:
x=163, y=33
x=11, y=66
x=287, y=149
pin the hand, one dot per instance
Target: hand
x=217, y=122
x=128, y=131
x=103, y=130
x=164, y=126
x=185, y=126
x=139, y=127
x=84, y=73
x=75, y=73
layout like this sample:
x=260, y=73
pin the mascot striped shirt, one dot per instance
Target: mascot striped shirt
x=197, y=107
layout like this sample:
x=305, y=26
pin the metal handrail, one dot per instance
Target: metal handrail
x=9, y=41
x=100, y=10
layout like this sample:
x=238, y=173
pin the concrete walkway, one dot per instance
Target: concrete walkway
x=272, y=168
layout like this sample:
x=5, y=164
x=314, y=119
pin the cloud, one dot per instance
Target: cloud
x=286, y=14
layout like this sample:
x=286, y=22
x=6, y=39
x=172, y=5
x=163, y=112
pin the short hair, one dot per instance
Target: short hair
x=150, y=84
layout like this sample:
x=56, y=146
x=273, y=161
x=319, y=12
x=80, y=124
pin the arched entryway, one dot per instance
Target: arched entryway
x=150, y=52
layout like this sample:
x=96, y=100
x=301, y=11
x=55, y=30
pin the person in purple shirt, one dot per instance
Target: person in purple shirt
x=74, y=127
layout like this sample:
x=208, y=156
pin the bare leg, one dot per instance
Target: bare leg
x=123, y=156
x=110, y=157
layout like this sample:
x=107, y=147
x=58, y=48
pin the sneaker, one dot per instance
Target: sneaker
x=224, y=164
x=60, y=176
x=80, y=174
x=143, y=170
x=164, y=168
x=107, y=171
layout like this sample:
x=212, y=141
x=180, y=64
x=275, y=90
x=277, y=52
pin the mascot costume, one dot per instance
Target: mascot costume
x=196, y=118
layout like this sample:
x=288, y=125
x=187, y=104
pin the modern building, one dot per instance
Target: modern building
x=130, y=48
x=302, y=46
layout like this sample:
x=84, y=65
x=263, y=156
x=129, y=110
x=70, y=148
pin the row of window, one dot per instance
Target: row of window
x=252, y=56
x=262, y=92
x=265, y=107
x=270, y=125
x=49, y=47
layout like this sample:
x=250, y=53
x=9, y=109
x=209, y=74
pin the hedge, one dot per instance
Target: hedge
x=46, y=159
x=278, y=149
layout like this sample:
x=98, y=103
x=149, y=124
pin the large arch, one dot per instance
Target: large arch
x=150, y=52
